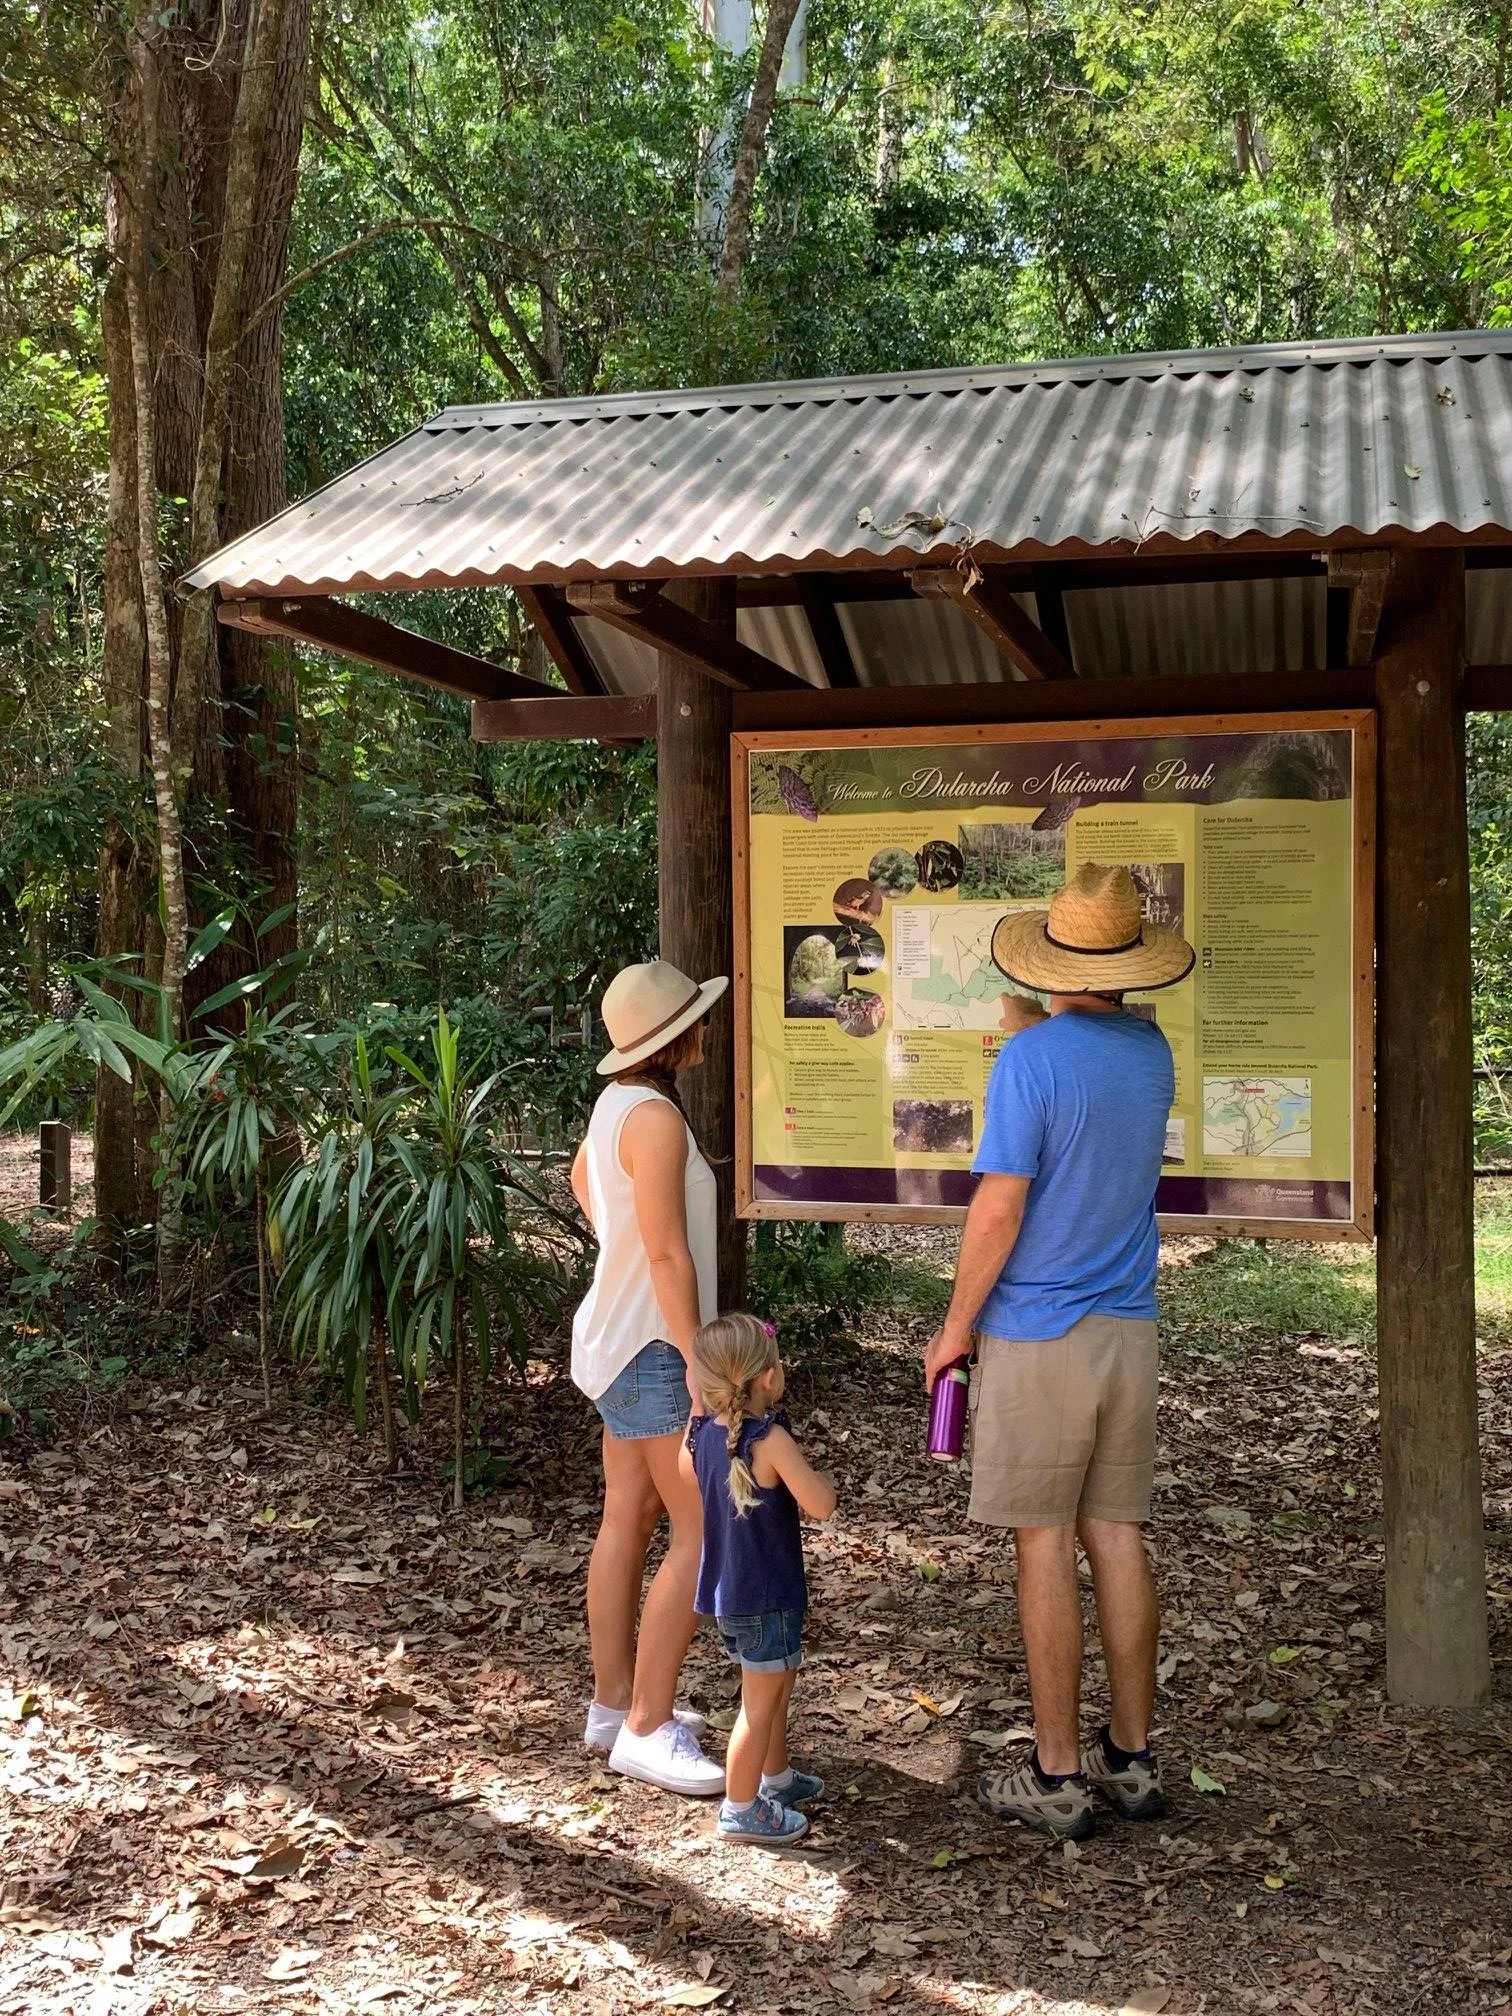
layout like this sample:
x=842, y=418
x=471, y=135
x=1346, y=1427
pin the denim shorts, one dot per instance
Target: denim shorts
x=769, y=1642
x=650, y=1397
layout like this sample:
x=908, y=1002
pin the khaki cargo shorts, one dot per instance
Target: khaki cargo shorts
x=1065, y=1426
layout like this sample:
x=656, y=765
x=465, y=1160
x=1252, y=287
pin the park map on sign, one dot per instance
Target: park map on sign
x=943, y=971
x=1257, y=1116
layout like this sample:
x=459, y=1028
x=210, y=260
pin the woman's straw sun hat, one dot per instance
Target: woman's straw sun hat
x=1092, y=940
x=644, y=1007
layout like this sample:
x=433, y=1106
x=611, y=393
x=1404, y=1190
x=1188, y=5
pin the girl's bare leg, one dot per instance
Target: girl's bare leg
x=777, y=1744
x=763, y=1708
x=617, y=1568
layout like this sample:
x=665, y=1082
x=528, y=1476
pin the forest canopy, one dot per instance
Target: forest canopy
x=248, y=245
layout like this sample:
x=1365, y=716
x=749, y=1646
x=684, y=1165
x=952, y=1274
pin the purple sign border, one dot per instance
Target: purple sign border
x=1218, y=1197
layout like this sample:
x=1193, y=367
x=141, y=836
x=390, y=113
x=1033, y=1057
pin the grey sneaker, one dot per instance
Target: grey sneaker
x=802, y=1789
x=1064, y=1810
x=767, y=1824
x=1134, y=1791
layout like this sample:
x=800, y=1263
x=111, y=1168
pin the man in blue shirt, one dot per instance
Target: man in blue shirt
x=1055, y=1288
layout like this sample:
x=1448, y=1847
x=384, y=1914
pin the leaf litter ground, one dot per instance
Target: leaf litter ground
x=277, y=1734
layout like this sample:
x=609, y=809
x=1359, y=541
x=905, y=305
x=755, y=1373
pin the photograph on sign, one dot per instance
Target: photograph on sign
x=874, y=870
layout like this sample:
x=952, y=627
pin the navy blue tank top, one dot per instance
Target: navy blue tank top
x=752, y=1561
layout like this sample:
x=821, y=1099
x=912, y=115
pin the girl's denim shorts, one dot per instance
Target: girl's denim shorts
x=650, y=1397
x=769, y=1642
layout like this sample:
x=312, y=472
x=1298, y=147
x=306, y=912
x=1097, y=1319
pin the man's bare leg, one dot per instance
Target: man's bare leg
x=1051, y=1620
x=1128, y=1616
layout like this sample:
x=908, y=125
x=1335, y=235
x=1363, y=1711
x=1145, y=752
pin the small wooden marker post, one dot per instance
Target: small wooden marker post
x=55, y=1179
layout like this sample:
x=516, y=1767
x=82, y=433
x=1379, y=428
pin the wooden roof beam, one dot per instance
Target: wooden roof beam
x=817, y=595
x=552, y=621
x=1365, y=575
x=615, y=718
x=642, y=611
x=992, y=608
x=352, y=633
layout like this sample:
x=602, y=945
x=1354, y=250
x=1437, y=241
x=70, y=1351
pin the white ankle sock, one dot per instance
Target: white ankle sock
x=736, y=1809
x=780, y=1783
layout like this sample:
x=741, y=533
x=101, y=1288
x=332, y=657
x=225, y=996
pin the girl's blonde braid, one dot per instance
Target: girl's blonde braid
x=742, y=1484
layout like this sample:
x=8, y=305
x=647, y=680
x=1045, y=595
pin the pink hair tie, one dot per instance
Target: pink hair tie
x=770, y=1328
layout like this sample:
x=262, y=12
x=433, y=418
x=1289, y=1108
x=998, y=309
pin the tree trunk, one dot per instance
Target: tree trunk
x=751, y=149
x=696, y=902
x=123, y=1188
x=206, y=161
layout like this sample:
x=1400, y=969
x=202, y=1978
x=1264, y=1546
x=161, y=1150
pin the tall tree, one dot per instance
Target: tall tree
x=203, y=132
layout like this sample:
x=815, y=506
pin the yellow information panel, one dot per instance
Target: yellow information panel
x=872, y=866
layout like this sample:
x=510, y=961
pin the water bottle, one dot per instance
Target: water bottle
x=947, y=1412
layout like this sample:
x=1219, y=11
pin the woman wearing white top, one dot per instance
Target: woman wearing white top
x=649, y=1194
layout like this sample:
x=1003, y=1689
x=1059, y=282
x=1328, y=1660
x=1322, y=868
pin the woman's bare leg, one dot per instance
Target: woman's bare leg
x=617, y=1568
x=667, y=1621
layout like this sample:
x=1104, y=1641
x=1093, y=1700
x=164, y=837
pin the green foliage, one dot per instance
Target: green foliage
x=335, y=1228
x=805, y=1282
x=1246, y=1289
x=46, y=1061
x=50, y=1335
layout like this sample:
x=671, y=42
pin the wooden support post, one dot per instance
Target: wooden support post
x=1436, y=1624
x=697, y=905
x=55, y=1179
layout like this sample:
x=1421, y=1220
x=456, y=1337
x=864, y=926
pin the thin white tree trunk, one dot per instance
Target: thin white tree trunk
x=752, y=146
x=149, y=559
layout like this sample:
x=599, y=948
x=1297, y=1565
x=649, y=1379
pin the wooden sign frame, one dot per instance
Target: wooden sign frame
x=1358, y=722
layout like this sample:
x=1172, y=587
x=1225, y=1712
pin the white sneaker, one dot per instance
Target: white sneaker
x=604, y=1724
x=669, y=1757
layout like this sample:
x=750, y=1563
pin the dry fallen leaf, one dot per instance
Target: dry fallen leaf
x=693, y=1995
x=115, y=1954
x=173, y=1929
x=1146, y=2002
x=293, y=1964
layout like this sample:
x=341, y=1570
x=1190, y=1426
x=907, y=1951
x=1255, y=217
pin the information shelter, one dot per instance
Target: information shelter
x=1049, y=562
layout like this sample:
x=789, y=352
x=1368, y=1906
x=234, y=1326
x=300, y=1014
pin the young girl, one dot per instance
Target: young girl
x=754, y=1481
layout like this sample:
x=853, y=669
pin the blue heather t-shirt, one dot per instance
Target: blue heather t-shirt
x=1078, y=1104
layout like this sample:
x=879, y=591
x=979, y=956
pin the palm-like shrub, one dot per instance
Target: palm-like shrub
x=398, y=1246
x=334, y=1230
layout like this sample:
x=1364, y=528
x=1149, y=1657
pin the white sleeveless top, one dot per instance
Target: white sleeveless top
x=620, y=1314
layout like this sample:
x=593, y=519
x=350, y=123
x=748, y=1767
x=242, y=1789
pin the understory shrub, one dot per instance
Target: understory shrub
x=813, y=1289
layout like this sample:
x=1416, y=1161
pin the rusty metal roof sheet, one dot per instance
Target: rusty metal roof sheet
x=1390, y=436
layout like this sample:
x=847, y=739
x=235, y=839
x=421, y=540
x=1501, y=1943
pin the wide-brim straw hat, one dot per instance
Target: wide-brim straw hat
x=1092, y=940
x=644, y=1007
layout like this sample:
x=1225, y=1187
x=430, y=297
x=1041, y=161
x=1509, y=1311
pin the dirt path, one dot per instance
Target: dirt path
x=277, y=1734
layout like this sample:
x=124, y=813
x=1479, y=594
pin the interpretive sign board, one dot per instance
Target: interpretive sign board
x=871, y=867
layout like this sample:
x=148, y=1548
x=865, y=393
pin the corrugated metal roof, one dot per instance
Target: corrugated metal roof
x=1359, y=439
